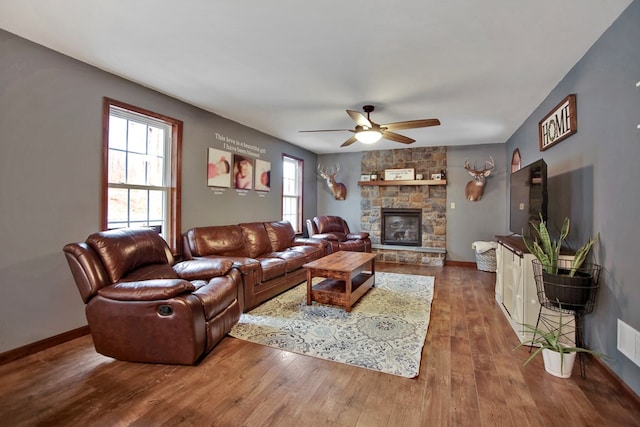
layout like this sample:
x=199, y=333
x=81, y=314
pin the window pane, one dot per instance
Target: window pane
x=156, y=206
x=155, y=171
x=137, y=137
x=117, y=162
x=139, y=200
x=118, y=205
x=117, y=133
x=156, y=141
x=137, y=169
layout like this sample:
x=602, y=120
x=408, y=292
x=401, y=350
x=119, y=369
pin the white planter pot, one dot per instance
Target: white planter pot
x=552, y=363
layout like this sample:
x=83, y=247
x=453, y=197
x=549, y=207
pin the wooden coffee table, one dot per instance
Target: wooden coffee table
x=345, y=278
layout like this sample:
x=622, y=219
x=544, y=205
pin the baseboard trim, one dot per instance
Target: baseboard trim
x=624, y=388
x=20, y=352
x=461, y=264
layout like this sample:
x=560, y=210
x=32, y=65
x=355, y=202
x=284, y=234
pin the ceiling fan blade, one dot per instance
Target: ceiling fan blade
x=397, y=137
x=359, y=118
x=412, y=124
x=328, y=130
x=349, y=141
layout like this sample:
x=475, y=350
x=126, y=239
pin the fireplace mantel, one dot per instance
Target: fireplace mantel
x=403, y=182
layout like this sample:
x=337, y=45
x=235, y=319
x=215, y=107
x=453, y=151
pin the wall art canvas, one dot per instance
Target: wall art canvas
x=218, y=168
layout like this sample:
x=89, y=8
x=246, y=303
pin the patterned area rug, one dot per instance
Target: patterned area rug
x=385, y=330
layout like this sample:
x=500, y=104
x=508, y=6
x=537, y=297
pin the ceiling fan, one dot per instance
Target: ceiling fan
x=368, y=132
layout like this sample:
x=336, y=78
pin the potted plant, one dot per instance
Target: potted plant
x=564, y=280
x=559, y=357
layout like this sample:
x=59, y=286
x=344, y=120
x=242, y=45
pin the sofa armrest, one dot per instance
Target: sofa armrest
x=203, y=268
x=309, y=241
x=325, y=236
x=360, y=235
x=147, y=290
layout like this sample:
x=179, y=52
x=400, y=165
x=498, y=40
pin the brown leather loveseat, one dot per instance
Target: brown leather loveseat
x=335, y=230
x=268, y=254
x=141, y=306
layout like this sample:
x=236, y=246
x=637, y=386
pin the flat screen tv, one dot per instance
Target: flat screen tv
x=528, y=190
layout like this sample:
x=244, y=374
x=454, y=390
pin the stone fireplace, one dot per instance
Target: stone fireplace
x=430, y=200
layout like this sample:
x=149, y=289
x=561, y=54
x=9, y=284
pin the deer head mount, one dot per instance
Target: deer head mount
x=475, y=188
x=338, y=189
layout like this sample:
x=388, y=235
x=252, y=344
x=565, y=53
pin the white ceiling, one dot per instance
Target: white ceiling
x=282, y=66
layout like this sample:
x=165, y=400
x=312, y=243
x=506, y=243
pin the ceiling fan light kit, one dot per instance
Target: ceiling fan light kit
x=369, y=132
x=368, y=136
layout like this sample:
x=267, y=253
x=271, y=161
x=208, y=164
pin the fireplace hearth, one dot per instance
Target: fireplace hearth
x=401, y=226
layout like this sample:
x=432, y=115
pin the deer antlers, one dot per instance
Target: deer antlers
x=329, y=173
x=489, y=165
x=475, y=188
x=338, y=189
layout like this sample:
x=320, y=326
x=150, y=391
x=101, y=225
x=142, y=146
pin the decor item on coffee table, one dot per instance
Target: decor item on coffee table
x=345, y=279
x=385, y=331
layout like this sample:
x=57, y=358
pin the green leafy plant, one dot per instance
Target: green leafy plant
x=551, y=340
x=548, y=252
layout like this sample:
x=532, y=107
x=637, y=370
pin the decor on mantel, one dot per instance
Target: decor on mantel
x=475, y=188
x=559, y=124
x=338, y=189
x=385, y=331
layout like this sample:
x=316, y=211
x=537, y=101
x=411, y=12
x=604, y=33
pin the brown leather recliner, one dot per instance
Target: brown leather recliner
x=335, y=230
x=141, y=306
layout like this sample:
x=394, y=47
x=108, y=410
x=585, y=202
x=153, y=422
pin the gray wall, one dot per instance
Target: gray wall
x=51, y=122
x=594, y=176
x=482, y=219
x=349, y=175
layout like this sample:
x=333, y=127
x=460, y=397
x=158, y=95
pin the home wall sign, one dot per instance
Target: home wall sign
x=560, y=123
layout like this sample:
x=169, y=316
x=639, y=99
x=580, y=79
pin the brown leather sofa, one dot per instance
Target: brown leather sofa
x=141, y=306
x=268, y=255
x=336, y=232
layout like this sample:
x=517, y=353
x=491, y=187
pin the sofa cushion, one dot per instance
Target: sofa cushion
x=124, y=250
x=272, y=268
x=311, y=253
x=223, y=240
x=281, y=234
x=294, y=259
x=256, y=239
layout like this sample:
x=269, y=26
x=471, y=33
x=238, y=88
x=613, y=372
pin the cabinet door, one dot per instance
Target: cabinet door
x=500, y=273
x=508, y=283
x=517, y=314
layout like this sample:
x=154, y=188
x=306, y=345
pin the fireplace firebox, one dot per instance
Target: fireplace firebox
x=401, y=226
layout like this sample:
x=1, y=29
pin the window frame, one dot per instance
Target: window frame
x=175, y=181
x=298, y=228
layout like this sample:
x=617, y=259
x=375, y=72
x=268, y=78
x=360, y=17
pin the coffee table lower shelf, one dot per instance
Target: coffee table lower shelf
x=334, y=291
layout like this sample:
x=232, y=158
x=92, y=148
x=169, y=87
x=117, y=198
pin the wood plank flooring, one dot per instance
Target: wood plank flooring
x=470, y=376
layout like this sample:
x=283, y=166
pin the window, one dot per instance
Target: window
x=292, y=191
x=140, y=179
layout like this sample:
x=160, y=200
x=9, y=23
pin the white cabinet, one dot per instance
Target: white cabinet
x=516, y=291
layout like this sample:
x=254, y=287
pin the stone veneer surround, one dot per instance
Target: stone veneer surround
x=431, y=199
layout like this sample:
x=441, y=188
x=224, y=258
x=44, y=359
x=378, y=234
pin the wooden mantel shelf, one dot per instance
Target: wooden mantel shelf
x=404, y=182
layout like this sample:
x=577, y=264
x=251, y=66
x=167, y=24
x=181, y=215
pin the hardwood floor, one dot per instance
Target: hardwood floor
x=470, y=376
